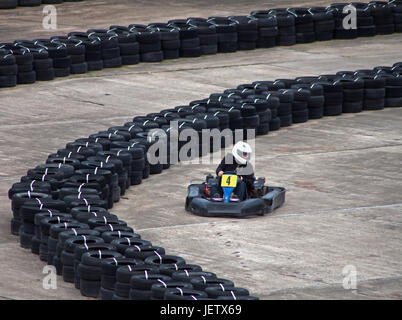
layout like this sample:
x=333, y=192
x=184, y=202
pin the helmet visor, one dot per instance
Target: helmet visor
x=244, y=155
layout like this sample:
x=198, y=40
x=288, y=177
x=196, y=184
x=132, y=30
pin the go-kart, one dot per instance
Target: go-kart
x=263, y=199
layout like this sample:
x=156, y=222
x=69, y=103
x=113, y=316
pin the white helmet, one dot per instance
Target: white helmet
x=242, y=152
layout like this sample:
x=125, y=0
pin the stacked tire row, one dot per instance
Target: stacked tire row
x=267, y=29
x=397, y=13
x=12, y=4
x=95, y=49
x=61, y=208
x=324, y=23
x=61, y=212
x=8, y=69
x=170, y=41
x=207, y=34
x=304, y=25
x=226, y=30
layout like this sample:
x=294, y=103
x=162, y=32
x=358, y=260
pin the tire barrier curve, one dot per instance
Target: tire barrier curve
x=28, y=61
x=61, y=208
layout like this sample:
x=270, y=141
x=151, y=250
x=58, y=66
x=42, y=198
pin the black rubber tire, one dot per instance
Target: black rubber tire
x=109, y=266
x=208, y=39
x=26, y=77
x=393, y=91
x=72, y=242
x=159, y=289
x=267, y=32
x=150, y=47
x=374, y=94
x=143, y=251
x=130, y=59
x=94, y=258
x=128, y=241
x=300, y=116
x=145, y=281
x=215, y=292
x=169, y=269
x=275, y=124
x=25, y=67
x=208, y=49
x=190, y=52
x=29, y=3
x=106, y=294
x=227, y=46
x=251, y=121
x=52, y=1
x=315, y=113
x=8, y=4
x=45, y=74
x=42, y=64
x=332, y=99
x=94, y=65
x=128, y=49
x=202, y=284
x=262, y=129
x=124, y=273
x=89, y=272
x=305, y=37
x=156, y=56
x=79, y=68
x=184, y=294
x=25, y=238
x=345, y=34
x=385, y=28
x=373, y=104
x=170, y=44
x=286, y=120
x=246, y=45
x=68, y=273
x=61, y=72
x=164, y=259
x=366, y=31
x=237, y=298
x=352, y=107
x=79, y=250
x=189, y=43
x=393, y=102
x=332, y=110
x=324, y=36
x=135, y=294
x=267, y=42
x=8, y=70
x=353, y=95
x=35, y=245
x=8, y=81
x=282, y=40
x=90, y=288
x=183, y=276
x=112, y=63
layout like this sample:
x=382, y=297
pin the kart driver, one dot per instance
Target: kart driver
x=238, y=161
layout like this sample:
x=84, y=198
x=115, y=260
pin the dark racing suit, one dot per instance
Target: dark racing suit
x=246, y=172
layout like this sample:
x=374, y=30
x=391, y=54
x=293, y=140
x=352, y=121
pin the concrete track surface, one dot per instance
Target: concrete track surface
x=343, y=174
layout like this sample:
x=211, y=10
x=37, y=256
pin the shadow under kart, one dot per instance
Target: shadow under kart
x=264, y=199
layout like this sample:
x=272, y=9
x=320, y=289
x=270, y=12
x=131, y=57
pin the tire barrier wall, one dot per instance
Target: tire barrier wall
x=26, y=61
x=61, y=208
x=12, y=4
